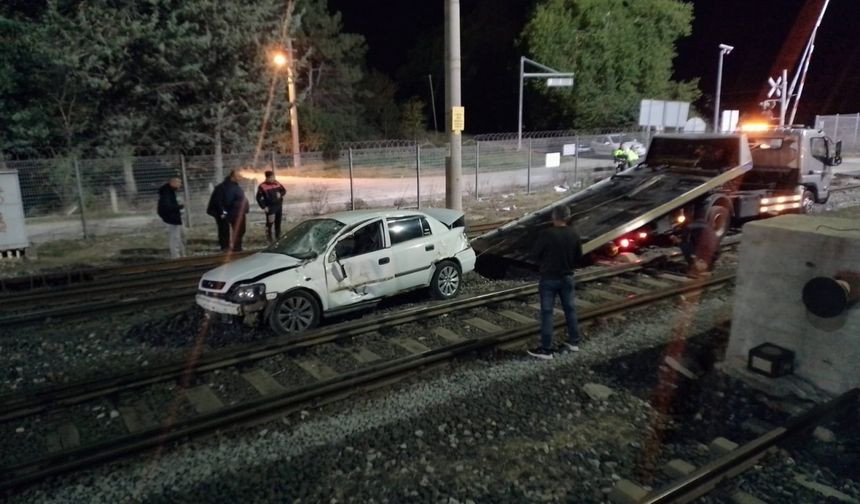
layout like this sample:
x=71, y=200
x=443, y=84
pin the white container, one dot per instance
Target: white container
x=13, y=232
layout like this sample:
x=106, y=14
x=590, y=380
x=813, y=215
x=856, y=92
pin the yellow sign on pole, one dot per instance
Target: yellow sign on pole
x=458, y=119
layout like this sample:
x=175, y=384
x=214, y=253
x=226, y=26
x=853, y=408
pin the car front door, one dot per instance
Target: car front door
x=359, y=267
x=413, y=250
x=819, y=165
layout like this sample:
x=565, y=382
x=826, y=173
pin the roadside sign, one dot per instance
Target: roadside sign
x=559, y=82
x=458, y=119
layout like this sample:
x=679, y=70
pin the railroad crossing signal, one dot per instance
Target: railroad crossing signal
x=775, y=87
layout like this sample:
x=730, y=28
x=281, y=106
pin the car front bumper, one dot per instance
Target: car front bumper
x=217, y=305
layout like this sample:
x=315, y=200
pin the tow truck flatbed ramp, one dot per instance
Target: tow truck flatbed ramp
x=629, y=200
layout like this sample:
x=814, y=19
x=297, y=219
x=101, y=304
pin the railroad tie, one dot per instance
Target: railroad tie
x=263, y=382
x=516, y=317
x=203, y=399
x=558, y=311
x=137, y=417
x=362, y=354
x=741, y=497
x=647, y=280
x=483, y=325
x=629, y=288
x=410, y=345
x=602, y=294
x=626, y=492
x=316, y=368
x=447, y=335
x=675, y=278
x=65, y=437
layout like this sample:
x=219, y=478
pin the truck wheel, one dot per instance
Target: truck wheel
x=446, y=280
x=294, y=312
x=807, y=202
x=719, y=218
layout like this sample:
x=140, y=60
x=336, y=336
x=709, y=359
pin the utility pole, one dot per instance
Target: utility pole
x=454, y=163
x=433, y=102
x=724, y=49
x=294, y=112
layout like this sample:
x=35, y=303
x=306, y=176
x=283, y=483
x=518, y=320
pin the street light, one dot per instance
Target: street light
x=279, y=59
x=283, y=59
x=553, y=77
x=724, y=49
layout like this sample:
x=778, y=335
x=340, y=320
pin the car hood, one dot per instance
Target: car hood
x=247, y=270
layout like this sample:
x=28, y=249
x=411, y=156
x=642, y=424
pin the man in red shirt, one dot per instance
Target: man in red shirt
x=270, y=197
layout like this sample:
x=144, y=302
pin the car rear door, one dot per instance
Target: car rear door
x=413, y=250
x=359, y=267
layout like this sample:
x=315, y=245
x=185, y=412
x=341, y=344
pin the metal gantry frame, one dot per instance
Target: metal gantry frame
x=565, y=79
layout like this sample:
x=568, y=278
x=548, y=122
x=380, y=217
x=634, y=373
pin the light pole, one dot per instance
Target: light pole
x=553, y=77
x=724, y=49
x=283, y=59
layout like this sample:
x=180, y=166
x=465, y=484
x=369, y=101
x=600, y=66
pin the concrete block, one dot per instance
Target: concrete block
x=741, y=497
x=626, y=492
x=778, y=257
x=678, y=468
x=826, y=491
x=721, y=446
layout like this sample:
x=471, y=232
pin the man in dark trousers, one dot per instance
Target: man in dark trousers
x=700, y=245
x=270, y=197
x=236, y=206
x=557, y=250
x=215, y=208
x=170, y=211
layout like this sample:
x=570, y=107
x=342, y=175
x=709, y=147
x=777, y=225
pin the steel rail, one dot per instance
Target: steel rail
x=15, y=477
x=15, y=406
x=705, y=479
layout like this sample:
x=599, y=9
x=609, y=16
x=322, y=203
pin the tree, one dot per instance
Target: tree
x=412, y=120
x=620, y=50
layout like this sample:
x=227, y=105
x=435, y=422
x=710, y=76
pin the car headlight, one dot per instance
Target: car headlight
x=246, y=294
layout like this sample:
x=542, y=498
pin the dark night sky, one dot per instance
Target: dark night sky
x=757, y=29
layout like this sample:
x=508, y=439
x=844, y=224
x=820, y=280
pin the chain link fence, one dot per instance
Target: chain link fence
x=845, y=127
x=67, y=197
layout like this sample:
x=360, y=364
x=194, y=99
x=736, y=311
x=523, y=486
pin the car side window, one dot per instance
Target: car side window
x=407, y=228
x=364, y=240
x=818, y=148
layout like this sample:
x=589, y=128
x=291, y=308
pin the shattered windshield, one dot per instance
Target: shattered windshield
x=308, y=239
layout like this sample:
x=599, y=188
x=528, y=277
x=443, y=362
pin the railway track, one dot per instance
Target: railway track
x=738, y=459
x=227, y=389
x=119, y=290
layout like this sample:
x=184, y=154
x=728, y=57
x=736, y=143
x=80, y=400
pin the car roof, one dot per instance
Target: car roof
x=355, y=216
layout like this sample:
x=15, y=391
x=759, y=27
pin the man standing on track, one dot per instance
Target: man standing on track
x=215, y=208
x=236, y=206
x=170, y=211
x=557, y=250
x=270, y=197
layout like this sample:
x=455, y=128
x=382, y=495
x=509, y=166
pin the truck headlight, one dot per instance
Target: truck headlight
x=247, y=294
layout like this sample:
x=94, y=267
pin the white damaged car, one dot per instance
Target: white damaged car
x=342, y=262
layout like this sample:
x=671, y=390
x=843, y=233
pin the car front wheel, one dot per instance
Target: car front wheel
x=446, y=280
x=294, y=312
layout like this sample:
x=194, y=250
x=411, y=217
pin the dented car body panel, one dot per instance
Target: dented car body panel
x=345, y=260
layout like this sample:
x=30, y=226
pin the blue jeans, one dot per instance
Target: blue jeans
x=549, y=289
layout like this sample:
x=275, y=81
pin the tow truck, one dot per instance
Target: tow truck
x=715, y=178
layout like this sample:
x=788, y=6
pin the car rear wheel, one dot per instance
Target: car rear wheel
x=294, y=312
x=446, y=280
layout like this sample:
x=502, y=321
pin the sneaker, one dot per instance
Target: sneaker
x=540, y=353
x=569, y=347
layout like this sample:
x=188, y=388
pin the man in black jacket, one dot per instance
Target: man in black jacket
x=270, y=197
x=215, y=208
x=557, y=249
x=236, y=206
x=170, y=211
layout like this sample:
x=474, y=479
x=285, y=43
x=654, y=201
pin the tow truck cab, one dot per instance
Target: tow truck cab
x=792, y=170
